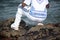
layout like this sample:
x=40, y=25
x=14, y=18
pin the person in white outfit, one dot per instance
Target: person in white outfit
x=35, y=10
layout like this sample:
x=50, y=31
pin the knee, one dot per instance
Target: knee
x=41, y=20
x=19, y=9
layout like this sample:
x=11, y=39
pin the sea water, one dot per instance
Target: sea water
x=8, y=9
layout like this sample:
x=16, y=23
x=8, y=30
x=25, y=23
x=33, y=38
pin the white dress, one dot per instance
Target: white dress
x=37, y=12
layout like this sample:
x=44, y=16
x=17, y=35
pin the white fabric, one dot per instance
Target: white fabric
x=38, y=8
x=21, y=11
x=36, y=5
x=27, y=2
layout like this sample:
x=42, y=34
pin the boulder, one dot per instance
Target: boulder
x=38, y=32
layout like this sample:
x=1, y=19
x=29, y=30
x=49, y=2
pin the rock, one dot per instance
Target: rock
x=57, y=24
x=45, y=32
x=6, y=31
x=8, y=22
x=5, y=34
x=58, y=37
x=5, y=38
x=36, y=28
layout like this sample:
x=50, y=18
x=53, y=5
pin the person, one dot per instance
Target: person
x=35, y=10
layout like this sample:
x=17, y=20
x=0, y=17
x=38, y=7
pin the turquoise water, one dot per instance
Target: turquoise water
x=8, y=9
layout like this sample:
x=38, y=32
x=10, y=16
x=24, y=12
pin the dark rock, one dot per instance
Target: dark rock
x=5, y=34
x=57, y=24
x=5, y=39
x=45, y=32
x=58, y=37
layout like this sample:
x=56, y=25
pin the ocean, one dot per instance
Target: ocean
x=8, y=9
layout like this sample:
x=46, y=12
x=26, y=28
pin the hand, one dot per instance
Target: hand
x=23, y=5
x=47, y=6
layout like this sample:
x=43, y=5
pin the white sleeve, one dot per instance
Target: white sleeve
x=47, y=2
x=27, y=2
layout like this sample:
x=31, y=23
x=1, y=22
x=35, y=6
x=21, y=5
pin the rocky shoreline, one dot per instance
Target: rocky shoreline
x=46, y=32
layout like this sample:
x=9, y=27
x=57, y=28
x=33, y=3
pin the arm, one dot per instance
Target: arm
x=23, y=4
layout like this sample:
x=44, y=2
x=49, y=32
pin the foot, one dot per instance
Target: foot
x=40, y=24
x=14, y=27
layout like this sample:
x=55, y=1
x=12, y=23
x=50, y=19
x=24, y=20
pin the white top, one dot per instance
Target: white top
x=38, y=8
x=37, y=4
